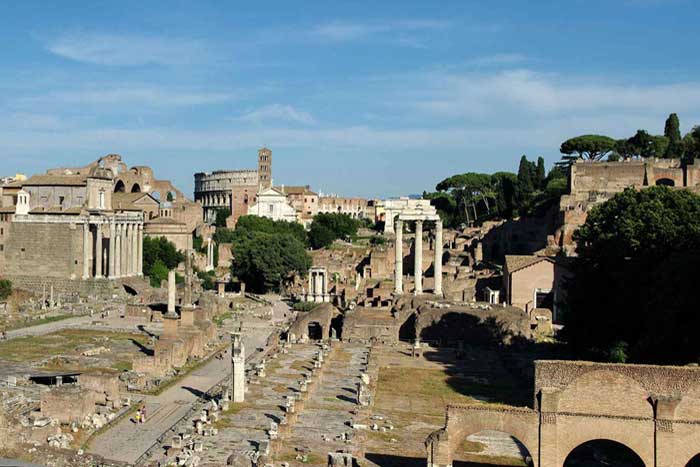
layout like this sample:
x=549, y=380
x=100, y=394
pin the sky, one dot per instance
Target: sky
x=359, y=98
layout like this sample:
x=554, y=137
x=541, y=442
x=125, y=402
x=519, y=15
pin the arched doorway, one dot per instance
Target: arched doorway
x=491, y=448
x=665, y=182
x=136, y=188
x=694, y=462
x=603, y=452
x=315, y=331
x=119, y=187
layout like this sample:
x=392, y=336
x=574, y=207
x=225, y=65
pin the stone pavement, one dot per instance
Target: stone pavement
x=127, y=441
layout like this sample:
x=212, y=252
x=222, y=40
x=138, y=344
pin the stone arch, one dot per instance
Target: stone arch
x=135, y=188
x=464, y=421
x=119, y=187
x=694, y=462
x=665, y=182
x=315, y=331
x=616, y=454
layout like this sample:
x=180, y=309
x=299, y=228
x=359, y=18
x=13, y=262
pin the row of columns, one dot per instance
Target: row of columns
x=122, y=258
x=418, y=258
x=216, y=200
x=318, y=282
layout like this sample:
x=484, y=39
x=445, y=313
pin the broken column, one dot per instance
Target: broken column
x=238, y=363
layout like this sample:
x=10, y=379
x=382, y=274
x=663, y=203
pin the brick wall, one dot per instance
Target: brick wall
x=44, y=250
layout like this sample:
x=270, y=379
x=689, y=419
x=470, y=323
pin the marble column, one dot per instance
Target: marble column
x=130, y=249
x=86, y=250
x=134, y=250
x=311, y=283
x=438, y=258
x=98, y=251
x=398, y=250
x=112, y=247
x=418, y=259
x=171, y=292
x=122, y=257
x=139, y=262
x=118, y=251
x=238, y=368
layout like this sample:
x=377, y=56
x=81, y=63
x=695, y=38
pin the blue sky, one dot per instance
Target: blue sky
x=358, y=98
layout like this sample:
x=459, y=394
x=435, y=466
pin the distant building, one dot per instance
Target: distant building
x=273, y=205
x=531, y=282
x=353, y=207
x=303, y=200
x=235, y=190
x=73, y=226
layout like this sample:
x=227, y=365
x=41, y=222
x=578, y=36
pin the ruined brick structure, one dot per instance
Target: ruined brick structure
x=652, y=410
x=591, y=183
x=233, y=189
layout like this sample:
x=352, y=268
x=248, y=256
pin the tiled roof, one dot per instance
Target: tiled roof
x=127, y=201
x=518, y=262
x=55, y=180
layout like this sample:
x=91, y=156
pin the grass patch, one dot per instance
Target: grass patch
x=311, y=459
x=219, y=320
x=40, y=321
x=385, y=436
x=123, y=365
x=67, y=342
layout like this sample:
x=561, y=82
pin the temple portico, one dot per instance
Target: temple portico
x=112, y=246
x=318, y=286
x=419, y=218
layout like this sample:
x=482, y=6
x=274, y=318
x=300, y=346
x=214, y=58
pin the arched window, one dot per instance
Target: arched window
x=665, y=182
x=119, y=187
x=136, y=188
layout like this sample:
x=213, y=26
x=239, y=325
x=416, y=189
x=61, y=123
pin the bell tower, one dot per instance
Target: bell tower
x=264, y=168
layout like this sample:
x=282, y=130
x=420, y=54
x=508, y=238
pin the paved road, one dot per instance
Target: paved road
x=127, y=441
x=49, y=327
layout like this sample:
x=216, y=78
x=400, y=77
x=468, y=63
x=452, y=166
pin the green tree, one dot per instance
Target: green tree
x=470, y=190
x=643, y=144
x=635, y=279
x=221, y=216
x=5, y=289
x=170, y=197
x=266, y=225
x=264, y=261
x=540, y=173
x=672, y=132
x=320, y=236
x=159, y=256
x=327, y=227
x=592, y=147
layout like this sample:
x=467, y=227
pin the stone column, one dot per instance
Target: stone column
x=418, y=259
x=129, y=249
x=139, y=262
x=112, y=248
x=311, y=283
x=171, y=292
x=318, y=289
x=438, y=258
x=86, y=250
x=134, y=249
x=125, y=250
x=118, y=251
x=398, y=249
x=98, y=251
x=238, y=368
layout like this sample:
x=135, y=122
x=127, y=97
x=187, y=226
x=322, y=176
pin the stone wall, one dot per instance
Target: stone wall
x=36, y=284
x=33, y=249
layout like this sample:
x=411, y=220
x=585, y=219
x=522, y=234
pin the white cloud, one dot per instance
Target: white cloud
x=128, y=50
x=277, y=113
x=513, y=94
x=498, y=59
x=349, y=31
x=116, y=95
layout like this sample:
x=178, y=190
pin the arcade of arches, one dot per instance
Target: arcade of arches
x=647, y=415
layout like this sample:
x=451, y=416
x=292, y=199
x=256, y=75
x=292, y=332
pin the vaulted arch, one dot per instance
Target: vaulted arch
x=603, y=452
